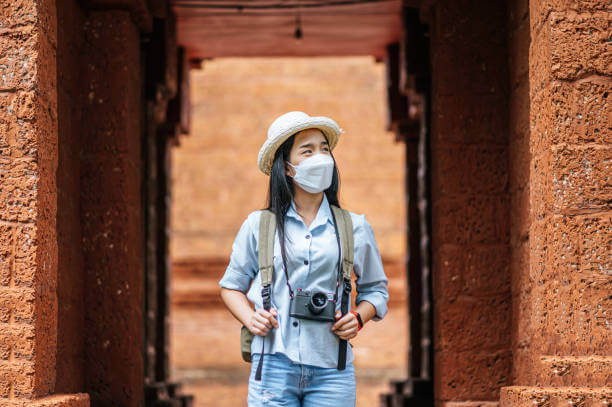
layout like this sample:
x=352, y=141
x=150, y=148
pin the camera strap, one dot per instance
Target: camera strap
x=344, y=232
x=345, y=228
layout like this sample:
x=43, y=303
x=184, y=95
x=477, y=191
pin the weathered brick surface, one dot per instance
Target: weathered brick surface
x=470, y=182
x=110, y=208
x=56, y=400
x=525, y=396
x=561, y=291
x=70, y=347
x=6, y=254
x=540, y=11
x=581, y=178
x=28, y=198
x=16, y=342
x=482, y=323
x=483, y=373
x=565, y=371
x=465, y=220
x=579, y=44
x=461, y=271
x=571, y=301
x=488, y=129
x=17, y=378
x=485, y=170
x=18, y=305
x=580, y=111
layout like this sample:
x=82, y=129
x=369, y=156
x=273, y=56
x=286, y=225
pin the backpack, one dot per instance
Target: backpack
x=267, y=229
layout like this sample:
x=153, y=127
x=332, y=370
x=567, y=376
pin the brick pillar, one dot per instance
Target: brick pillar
x=28, y=205
x=566, y=352
x=518, y=144
x=111, y=212
x=470, y=202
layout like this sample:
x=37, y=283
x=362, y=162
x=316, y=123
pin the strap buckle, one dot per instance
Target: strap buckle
x=265, y=294
x=347, y=286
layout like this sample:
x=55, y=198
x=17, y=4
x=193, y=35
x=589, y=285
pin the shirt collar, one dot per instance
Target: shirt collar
x=323, y=214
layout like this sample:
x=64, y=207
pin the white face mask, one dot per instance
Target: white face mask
x=314, y=174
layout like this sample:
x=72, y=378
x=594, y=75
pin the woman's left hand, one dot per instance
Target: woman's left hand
x=345, y=327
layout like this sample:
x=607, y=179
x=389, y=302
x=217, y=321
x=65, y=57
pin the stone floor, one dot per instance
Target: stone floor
x=205, y=356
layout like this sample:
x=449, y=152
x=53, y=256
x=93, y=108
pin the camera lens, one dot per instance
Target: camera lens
x=317, y=303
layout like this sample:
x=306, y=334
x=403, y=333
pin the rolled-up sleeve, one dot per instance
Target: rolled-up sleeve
x=371, y=281
x=243, y=264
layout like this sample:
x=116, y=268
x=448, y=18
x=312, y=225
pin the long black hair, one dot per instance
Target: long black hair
x=280, y=191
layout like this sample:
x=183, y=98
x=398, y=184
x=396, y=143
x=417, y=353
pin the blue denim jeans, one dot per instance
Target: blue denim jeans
x=286, y=383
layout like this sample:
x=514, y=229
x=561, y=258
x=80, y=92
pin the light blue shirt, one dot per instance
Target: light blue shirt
x=312, y=262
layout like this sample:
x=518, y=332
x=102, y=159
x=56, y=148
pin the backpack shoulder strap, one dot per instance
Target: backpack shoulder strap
x=267, y=228
x=345, y=228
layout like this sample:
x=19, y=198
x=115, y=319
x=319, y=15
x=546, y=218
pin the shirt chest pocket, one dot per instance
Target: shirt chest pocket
x=292, y=256
x=318, y=250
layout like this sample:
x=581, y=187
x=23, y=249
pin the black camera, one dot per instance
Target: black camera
x=315, y=306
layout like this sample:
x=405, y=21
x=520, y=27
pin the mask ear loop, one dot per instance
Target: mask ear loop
x=339, y=258
x=292, y=166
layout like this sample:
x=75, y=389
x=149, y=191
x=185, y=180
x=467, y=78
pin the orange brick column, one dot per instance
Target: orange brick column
x=111, y=208
x=28, y=206
x=470, y=203
x=564, y=356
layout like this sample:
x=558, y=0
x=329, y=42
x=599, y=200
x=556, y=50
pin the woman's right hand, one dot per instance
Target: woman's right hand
x=262, y=321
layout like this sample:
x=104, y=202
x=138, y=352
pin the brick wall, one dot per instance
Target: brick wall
x=28, y=206
x=470, y=202
x=216, y=182
x=70, y=373
x=111, y=212
x=518, y=58
x=567, y=336
x=28, y=199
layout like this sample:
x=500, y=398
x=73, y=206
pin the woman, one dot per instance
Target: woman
x=300, y=367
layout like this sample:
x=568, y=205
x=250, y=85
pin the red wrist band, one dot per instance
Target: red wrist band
x=359, y=321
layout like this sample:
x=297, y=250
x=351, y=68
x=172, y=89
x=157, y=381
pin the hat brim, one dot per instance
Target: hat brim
x=329, y=128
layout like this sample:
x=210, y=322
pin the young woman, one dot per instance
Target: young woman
x=300, y=367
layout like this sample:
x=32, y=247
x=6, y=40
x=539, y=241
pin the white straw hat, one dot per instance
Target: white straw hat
x=288, y=124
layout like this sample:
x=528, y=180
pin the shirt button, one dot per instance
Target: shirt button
x=307, y=236
x=306, y=262
x=295, y=323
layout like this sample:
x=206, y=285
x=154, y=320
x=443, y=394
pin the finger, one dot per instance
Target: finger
x=337, y=323
x=260, y=325
x=266, y=318
x=263, y=320
x=270, y=321
x=342, y=323
x=338, y=314
x=274, y=322
x=259, y=332
x=344, y=336
x=271, y=318
x=347, y=334
x=263, y=313
x=346, y=330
